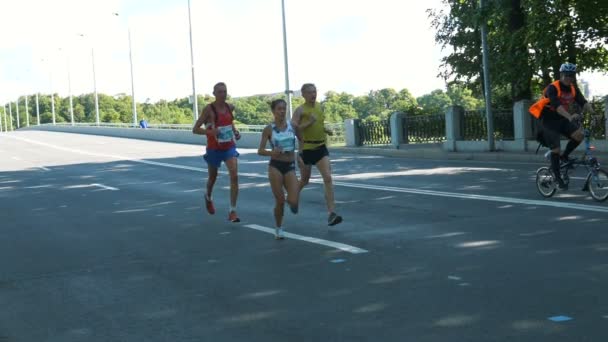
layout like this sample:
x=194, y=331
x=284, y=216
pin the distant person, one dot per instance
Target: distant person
x=281, y=168
x=309, y=121
x=143, y=123
x=221, y=134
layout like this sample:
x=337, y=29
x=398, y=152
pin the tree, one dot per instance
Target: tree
x=436, y=102
x=462, y=96
x=338, y=107
x=528, y=39
x=406, y=102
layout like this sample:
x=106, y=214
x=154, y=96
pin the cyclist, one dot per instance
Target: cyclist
x=554, y=109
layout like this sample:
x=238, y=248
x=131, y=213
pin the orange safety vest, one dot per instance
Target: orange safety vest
x=537, y=108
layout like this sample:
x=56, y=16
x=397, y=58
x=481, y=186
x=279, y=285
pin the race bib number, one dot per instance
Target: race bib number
x=226, y=134
x=286, y=143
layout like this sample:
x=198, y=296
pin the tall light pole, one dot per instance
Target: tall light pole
x=287, y=90
x=18, y=123
x=52, y=101
x=95, y=88
x=5, y=119
x=37, y=109
x=486, y=76
x=52, y=94
x=70, y=92
x=67, y=58
x=10, y=114
x=94, y=84
x=27, y=113
x=133, y=102
x=194, y=97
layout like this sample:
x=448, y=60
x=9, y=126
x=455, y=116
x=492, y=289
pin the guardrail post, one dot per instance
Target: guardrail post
x=522, y=124
x=398, y=134
x=351, y=132
x=454, y=118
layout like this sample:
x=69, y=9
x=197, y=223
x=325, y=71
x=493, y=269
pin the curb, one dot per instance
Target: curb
x=529, y=157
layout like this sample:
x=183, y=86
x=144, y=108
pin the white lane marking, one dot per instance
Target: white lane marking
x=161, y=203
x=80, y=186
x=105, y=187
x=332, y=244
x=129, y=211
x=44, y=168
x=512, y=200
x=39, y=186
x=10, y=181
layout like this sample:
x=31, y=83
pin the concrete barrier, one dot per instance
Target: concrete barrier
x=248, y=139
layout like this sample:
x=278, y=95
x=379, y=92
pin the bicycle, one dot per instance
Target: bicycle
x=596, y=181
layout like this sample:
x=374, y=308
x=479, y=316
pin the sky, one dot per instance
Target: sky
x=341, y=45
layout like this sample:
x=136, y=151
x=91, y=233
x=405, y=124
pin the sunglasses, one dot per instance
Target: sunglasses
x=570, y=75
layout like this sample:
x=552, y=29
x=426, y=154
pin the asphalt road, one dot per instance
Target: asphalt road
x=106, y=239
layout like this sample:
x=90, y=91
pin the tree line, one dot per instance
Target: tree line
x=252, y=110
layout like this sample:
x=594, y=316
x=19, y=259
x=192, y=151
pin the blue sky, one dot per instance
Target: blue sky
x=342, y=45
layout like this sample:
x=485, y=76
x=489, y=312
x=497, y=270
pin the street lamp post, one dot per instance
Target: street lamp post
x=37, y=110
x=18, y=122
x=70, y=92
x=287, y=90
x=486, y=77
x=5, y=120
x=94, y=84
x=133, y=102
x=95, y=88
x=27, y=113
x=10, y=114
x=53, y=106
x=52, y=98
x=194, y=97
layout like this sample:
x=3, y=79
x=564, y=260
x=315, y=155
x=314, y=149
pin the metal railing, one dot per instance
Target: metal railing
x=597, y=122
x=338, y=137
x=474, y=126
x=375, y=132
x=242, y=128
x=424, y=128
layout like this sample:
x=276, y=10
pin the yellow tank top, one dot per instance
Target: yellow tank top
x=313, y=135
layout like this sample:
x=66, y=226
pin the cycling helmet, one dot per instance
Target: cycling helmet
x=568, y=68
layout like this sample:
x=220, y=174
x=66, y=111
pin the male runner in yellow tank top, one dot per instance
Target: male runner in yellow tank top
x=309, y=121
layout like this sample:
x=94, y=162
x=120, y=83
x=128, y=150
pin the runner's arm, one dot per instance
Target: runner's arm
x=263, y=141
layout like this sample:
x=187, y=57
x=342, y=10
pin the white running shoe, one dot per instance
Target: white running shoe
x=279, y=233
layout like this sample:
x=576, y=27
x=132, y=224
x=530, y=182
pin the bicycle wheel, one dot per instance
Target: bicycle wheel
x=598, y=185
x=545, y=182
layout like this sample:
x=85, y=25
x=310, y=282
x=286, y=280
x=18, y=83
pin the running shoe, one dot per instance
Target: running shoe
x=232, y=217
x=209, y=205
x=333, y=219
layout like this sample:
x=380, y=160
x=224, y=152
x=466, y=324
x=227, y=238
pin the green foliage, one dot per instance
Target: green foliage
x=528, y=41
x=255, y=110
x=436, y=102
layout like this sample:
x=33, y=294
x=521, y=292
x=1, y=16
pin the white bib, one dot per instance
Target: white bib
x=226, y=134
